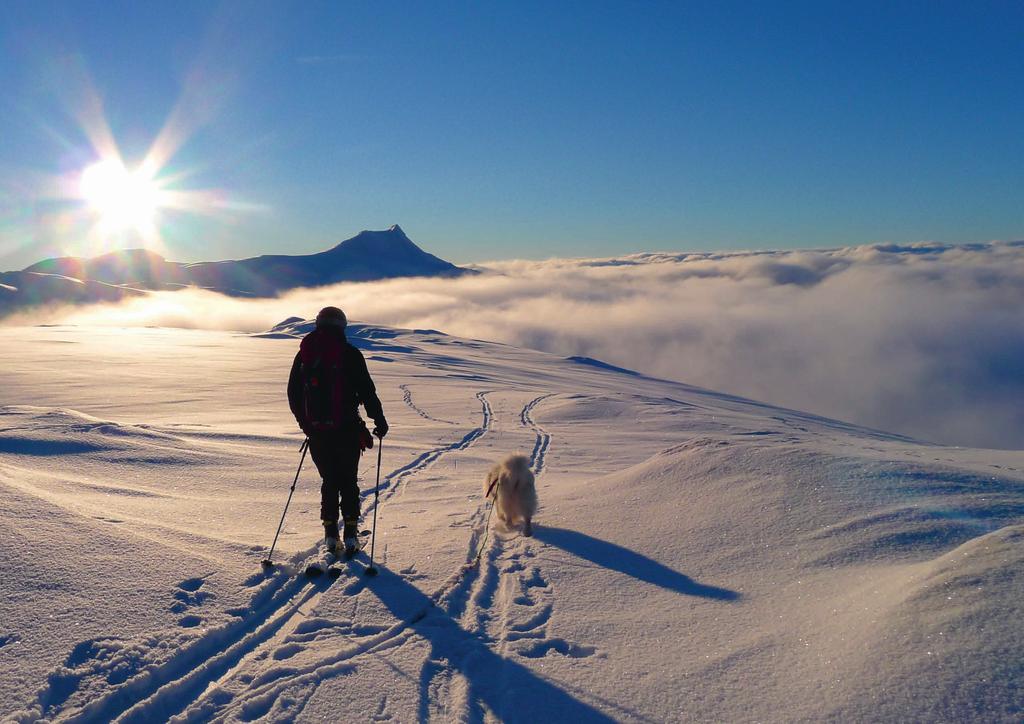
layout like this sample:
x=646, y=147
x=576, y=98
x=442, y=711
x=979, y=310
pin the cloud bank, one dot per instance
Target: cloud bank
x=927, y=340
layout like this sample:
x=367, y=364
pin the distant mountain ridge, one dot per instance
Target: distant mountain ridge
x=368, y=256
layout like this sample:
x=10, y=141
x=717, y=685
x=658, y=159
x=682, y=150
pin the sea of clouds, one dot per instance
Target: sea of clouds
x=926, y=340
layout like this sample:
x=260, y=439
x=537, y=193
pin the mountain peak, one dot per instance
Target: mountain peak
x=368, y=256
x=386, y=254
x=374, y=240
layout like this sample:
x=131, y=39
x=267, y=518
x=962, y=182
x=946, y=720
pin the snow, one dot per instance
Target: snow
x=114, y=276
x=697, y=556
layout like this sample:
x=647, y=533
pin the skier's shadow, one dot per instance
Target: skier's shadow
x=507, y=688
x=623, y=560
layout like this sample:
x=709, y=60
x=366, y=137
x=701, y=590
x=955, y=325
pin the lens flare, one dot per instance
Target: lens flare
x=122, y=199
x=108, y=201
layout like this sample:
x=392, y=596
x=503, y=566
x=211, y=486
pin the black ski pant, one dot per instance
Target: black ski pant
x=336, y=456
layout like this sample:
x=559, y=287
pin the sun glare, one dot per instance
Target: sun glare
x=109, y=204
x=122, y=199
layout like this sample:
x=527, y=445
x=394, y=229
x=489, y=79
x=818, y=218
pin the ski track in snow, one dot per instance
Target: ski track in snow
x=543, y=441
x=151, y=694
x=161, y=691
x=506, y=605
x=392, y=480
x=505, y=602
x=407, y=398
x=208, y=681
x=890, y=546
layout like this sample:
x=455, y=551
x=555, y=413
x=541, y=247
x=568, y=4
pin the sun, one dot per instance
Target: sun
x=123, y=200
x=110, y=200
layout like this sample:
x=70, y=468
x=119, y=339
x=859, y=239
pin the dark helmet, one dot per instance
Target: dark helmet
x=331, y=317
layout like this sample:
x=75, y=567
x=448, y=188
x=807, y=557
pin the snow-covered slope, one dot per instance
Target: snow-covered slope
x=133, y=267
x=697, y=557
x=20, y=290
x=369, y=255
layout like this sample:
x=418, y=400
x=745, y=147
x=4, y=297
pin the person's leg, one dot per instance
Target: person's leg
x=348, y=483
x=324, y=452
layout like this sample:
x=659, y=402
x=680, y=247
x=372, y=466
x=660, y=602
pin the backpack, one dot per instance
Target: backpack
x=323, y=380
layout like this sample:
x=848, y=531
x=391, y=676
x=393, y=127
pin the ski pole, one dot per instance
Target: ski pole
x=268, y=562
x=371, y=570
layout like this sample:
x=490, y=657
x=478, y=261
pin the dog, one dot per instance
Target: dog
x=511, y=484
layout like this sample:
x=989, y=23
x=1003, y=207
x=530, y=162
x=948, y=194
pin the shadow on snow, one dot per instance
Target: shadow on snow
x=616, y=558
x=507, y=688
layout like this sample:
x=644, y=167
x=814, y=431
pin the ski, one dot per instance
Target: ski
x=351, y=553
x=335, y=569
x=322, y=563
x=329, y=561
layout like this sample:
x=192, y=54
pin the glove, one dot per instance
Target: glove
x=365, y=438
x=304, y=426
x=380, y=428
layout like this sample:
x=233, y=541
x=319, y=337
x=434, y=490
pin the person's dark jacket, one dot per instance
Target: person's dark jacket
x=359, y=388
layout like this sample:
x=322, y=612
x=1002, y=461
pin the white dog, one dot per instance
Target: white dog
x=511, y=484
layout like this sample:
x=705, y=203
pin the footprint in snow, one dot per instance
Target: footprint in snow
x=382, y=713
x=191, y=584
x=187, y=595
x=557, y=646
x=536, y=580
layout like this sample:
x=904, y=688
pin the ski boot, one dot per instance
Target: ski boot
x=331, y=535
x=351, y=537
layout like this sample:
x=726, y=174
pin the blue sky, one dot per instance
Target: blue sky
x=524, y=129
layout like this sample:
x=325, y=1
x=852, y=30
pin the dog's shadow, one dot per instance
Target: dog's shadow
x=615, y=557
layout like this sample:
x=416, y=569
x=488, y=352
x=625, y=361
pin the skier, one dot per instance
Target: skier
x=328, y=382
